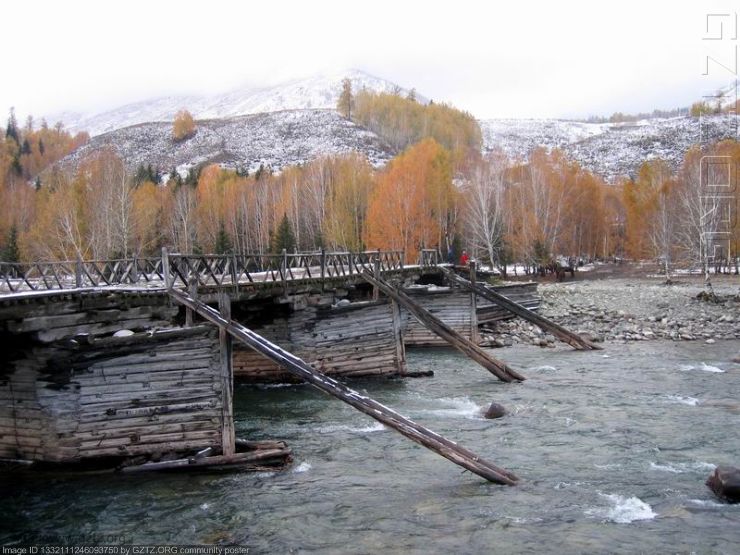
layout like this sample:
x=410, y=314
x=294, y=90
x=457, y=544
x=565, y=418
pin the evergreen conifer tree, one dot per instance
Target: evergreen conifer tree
x=223, y=241
x=284, y=237
x=11, y=252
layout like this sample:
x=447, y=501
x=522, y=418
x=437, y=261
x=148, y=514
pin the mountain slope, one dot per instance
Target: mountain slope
x=317, y=92
x=611, y=150
x=275, y=139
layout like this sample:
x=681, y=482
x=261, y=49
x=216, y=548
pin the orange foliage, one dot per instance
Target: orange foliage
x=183, y=127
x=411, y=200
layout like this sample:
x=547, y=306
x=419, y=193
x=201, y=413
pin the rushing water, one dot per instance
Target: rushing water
x=612, y=447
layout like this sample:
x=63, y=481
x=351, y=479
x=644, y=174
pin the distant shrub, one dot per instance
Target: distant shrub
x=183, y=127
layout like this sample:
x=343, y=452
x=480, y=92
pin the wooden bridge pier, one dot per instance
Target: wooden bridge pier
x=572, y=339
x=498, y=368
x=81, y=393
x=383, y=414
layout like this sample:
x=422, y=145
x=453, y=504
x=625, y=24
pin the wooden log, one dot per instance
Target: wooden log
x=261, y=444
x=473, y=307
x=498, y=368
x=193, y=292
x=105, y=422
x=383, y=414
x=218, y=460
x=227, y=378
x=572, y=339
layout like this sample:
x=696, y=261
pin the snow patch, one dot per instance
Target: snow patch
x=624, y=510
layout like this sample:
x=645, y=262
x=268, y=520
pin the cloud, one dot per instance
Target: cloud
x=514, y=59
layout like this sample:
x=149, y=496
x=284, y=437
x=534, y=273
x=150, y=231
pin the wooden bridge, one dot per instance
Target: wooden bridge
x=71, y=389
x=204, y=271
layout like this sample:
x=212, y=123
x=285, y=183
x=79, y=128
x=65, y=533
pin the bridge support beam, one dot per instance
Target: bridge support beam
x=498, y=368
x=572, y=339
x=444, y=447
x=227, y=378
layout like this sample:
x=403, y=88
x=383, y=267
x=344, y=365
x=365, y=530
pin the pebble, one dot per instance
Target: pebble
x=623, y=310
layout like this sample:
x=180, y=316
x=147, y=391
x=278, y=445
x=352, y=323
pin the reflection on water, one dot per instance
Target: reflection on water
x=612, y=450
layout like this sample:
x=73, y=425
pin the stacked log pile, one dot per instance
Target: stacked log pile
x=70, y=389
x=116, y=397
x=451, y=305
x=56, y=317
x=523, y=293
x=354, y=340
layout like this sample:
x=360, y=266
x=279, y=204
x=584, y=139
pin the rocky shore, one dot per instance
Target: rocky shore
x=628, y=309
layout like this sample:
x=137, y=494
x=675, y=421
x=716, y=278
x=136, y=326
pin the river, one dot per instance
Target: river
x=612, y=447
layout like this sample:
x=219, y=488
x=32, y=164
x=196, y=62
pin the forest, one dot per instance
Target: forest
x=439, y=192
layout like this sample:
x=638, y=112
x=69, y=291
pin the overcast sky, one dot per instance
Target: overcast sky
x=507, y=59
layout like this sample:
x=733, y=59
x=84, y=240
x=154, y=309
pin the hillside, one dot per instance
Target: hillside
x=275, y=139
x=609, y=149
x=317, y=92
x=295, y=122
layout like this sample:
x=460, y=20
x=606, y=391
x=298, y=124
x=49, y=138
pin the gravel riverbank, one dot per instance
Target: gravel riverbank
x=628, y=309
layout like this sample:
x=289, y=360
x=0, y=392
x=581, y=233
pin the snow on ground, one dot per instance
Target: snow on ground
x=274, y=139
x=316, y=92
x=609, y=149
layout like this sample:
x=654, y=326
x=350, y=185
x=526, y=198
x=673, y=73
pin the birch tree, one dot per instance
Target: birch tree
x=484, y=194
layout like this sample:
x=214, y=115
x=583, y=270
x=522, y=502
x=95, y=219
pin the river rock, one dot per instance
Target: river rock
x=725, y=483
x=495, y=411
x=736, y=358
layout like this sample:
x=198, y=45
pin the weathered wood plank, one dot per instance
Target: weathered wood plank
x=500, y=369
x=227, y=379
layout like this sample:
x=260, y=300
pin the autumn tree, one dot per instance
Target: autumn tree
x=150, y=218
x=346, y=100
x=403, y=122
x=485, y=210
x=407, y=206
x=708, y=197
x=183, y=127
x=210, y=206
x=538, y=202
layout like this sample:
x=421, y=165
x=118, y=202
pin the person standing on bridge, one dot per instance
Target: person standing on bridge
x=464, y=258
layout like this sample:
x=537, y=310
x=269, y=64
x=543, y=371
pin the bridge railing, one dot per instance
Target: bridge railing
x=222, y=270
x=428, y=257
x=46, y=276
x=181, y=270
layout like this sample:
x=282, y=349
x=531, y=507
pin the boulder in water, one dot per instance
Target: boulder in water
x=725, y=483
x=495, y=411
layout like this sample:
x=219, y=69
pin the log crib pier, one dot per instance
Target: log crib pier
x=129, y=365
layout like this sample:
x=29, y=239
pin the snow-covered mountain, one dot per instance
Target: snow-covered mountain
x=275, y=139
x=294, y=122
x=317, y=92
x=611, y=150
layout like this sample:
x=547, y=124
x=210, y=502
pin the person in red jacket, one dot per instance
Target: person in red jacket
x=464, y=258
